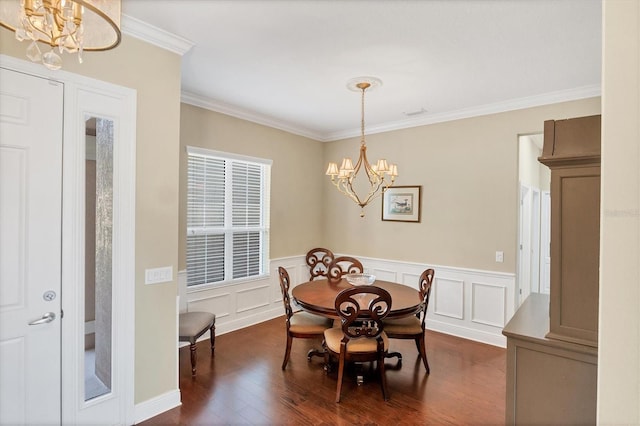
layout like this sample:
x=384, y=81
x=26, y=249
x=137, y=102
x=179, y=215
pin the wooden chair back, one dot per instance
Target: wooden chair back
x=426, y=281
x=341, y=266
x=358, y=321
x=318, y=260
x=284, y=288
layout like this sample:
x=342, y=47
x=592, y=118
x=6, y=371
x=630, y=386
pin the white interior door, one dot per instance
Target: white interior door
x=524, y=246
x=31, y=117
x=535, y=240
x=545, y=243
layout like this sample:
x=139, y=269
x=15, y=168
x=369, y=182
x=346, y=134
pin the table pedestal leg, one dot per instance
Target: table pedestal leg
x=395, y=355
x=315, y=352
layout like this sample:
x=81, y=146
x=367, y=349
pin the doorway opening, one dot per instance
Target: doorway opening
x=534, y=210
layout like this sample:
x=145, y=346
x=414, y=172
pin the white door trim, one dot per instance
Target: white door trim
x=524, y=244
x=545, y=241
x=535, y=241
x=77, y=86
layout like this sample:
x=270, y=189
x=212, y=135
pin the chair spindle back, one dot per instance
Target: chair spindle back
x=358, y=321
x=318, y=260
x=343, y=265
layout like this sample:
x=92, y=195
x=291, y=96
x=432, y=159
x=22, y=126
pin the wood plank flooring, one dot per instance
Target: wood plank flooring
x=243, y=384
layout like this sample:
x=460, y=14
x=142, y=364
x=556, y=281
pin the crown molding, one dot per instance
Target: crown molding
x=154, y=35
x=223, y=108
x=583, y=92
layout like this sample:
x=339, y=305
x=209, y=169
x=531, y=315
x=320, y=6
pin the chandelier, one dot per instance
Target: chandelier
x=380, y=176
x=71, y=26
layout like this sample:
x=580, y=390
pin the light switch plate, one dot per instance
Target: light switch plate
x=158, y=275
x=499, y=256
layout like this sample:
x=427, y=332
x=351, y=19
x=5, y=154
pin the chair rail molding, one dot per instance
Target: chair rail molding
x=468, y=303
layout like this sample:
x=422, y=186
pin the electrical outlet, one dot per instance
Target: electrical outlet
x=499, y=256
x=158, y=275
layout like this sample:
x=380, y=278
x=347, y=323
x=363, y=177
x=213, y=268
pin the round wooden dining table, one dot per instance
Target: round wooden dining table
x=318, y=297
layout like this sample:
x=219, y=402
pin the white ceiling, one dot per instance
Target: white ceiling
x=286, y=63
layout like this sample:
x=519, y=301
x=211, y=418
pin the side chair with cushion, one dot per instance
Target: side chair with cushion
x=361, y=337
x=413, y=327
x=318, y=260
x=341, y=266
x=192, y=325
x=299, y=324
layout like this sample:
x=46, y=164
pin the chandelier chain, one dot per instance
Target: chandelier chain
x=362, y=117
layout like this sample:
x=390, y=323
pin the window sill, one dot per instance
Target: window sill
x=226, y=284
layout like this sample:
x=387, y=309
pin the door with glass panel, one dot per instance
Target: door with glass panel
x=98, y=265
x=67, y=215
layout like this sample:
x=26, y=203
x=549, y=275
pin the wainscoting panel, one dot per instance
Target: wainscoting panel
x=218, y=303
x=488, y=304
x=410, y=279
x=468, y=303
x=448, y=298
x=244, y=304
x=253, y=298
x=383, y=274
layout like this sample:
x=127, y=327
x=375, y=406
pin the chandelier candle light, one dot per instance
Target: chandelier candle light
x=380, y=175
x=71, y=26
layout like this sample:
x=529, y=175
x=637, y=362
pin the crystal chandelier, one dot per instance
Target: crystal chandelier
x=380, y=176
x=71, y=26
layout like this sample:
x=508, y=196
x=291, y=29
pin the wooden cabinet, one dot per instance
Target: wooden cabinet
x=552, y=355
x=572, y=152
x=549, y=381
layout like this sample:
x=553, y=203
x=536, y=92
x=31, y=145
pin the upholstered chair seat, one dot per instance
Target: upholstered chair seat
x=333, y=338
x=304, y=322
x=192, y=325
x=408, y=325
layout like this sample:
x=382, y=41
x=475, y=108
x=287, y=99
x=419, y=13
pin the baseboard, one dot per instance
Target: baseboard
x=467, y=333
x=154, y=406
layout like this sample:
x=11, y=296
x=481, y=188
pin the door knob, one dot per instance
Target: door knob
x=48, y=317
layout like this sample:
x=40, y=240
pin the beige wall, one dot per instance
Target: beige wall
x=619, y=328
x=155, y=74
x=532, y=173
x=468, y=172
x=296, y=175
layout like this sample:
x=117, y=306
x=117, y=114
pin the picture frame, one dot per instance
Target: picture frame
x=402, y=204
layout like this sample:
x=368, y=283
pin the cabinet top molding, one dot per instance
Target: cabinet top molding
x=571, y=141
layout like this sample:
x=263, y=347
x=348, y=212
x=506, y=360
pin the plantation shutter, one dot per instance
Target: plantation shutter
x=227, y=217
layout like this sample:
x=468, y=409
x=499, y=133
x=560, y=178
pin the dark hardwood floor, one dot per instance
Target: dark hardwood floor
x=243, y=384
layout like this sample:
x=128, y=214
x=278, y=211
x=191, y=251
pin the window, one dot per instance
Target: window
x=227, y=217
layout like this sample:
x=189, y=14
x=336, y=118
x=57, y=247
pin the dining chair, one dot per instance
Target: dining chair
x=412, y=327
x=299, y=324
x=318, y=260
x=192, y=325
x=361, y=337
x=341, y=266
